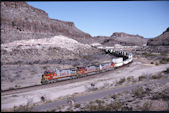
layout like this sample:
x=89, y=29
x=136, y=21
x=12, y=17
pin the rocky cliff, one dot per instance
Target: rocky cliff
x=21, y=21
x=161, y=40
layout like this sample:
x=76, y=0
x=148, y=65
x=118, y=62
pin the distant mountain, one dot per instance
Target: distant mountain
x=129, y=38
x=161, y=40
x=109, y=41
x=20, y=21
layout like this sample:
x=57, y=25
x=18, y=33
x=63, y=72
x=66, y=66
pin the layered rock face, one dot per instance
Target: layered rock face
x=129, y=38
x=21, y=21
x=109, y=41
x=161, y=40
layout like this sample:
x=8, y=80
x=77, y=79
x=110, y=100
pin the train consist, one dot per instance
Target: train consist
x=122, y=59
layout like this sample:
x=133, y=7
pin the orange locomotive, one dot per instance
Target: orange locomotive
x=54, y=76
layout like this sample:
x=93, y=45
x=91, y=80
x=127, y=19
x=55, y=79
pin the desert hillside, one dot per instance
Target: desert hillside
x=122, y=39
x=161, y=40
x=21, y=21
x=128, y=38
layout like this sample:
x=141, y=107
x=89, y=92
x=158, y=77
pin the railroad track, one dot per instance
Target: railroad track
x=63, y=82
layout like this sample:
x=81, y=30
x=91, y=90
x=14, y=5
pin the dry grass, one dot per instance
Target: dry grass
x=156, y=76
x=139, y=92
x=121, y=81
x=146, y=106
x=140, y=78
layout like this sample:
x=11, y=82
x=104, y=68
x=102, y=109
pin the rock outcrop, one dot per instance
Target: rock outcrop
x=109, y=41
x=122, y=34
x=161, y=40
x=20, y=21
x=129, y=38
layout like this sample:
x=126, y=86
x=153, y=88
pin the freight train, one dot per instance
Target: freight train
x=122, y=59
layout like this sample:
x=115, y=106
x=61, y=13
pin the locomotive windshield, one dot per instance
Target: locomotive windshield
x=46, y=72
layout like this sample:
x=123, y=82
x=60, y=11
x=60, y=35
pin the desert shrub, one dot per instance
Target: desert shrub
x=163, y=54
x=91, y=107
x=129, y=78
x=121, y=81
x=148, y=90
x=19, y=62
x=166, y=71
x=13, y=23
x=4, y=51
x=108, y=108
x=126, y=108
x=100, y=108
x=11, y=88
x=22, y=108
x=18, y=46
x=36, y=62
x=44, y=67
x=30, y=63
x=99, y=102
x=116, y=105
x=164, y=60
x=138, y=92
x=146, y=106
x=42, y=98
x=156, y=77
x=161, y=95
x=148, y=54
x=26, y=18
x=114, y=96
x=59, y=108
x=17, y=86
x=156, y=64
x=77, y=106
x=86, y=57
x=53, y=110
x=91, y=102
x=140, y=78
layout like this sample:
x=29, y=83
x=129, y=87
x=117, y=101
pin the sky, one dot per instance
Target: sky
x=102, y=18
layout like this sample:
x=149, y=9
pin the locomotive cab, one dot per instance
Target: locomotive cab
x=81, y=70
x=47, y=76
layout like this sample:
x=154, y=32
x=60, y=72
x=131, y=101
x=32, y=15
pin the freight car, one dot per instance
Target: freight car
x=58, y=75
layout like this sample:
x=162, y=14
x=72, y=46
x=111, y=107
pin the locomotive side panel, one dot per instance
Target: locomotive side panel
x=91, y=69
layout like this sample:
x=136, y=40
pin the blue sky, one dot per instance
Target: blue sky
x=102, y=18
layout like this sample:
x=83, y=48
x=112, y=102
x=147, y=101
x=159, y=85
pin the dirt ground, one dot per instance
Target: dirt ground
x=136, y=69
